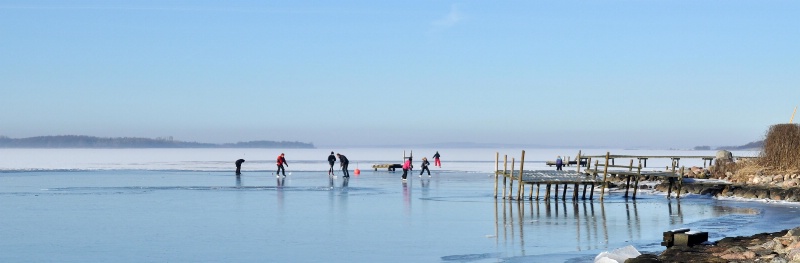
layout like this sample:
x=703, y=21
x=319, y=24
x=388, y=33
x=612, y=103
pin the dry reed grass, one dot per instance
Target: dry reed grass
x=781, y=148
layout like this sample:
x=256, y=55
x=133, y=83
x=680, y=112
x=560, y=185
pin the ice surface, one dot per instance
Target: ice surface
x=186, y=205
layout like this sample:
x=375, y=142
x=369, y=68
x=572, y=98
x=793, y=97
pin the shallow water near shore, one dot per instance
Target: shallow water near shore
x=145, y=216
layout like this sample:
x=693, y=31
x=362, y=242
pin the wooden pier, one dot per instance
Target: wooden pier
x=388, y=166
x=588, y=177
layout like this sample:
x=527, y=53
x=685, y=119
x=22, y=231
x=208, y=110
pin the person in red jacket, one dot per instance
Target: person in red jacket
x=281, y=162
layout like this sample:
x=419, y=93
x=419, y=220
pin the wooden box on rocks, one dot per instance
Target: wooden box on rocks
x=684, y=237
x=690, y=238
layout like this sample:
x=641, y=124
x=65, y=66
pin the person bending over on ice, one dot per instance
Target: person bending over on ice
x=343, y=162
x=436, y=161
x=281, y=162
x=406, y=166
x=331, y=161
x=425, y=164
x=239, y=166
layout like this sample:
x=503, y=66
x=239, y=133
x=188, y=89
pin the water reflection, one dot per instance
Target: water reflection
x=675, y=217
x=580, y=225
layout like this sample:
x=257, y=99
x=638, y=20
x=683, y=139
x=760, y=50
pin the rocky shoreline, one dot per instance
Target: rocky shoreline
x=776, y=247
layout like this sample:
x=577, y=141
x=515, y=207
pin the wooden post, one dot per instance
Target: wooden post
x=638, y=177
x=579, y=162
x=496, y=171
x=511, y=181
x=505, y=174
x=584, y=191
x=547, y=192
x=556, y=184
x=669, y=190
x=591, y=193
x=537, y=190
x=628, y=178
x=588, y=163
x=680, y=183
x=605, y=176
x=521, y=191
x=564, y=194
x=531, y=194
x=575, y=189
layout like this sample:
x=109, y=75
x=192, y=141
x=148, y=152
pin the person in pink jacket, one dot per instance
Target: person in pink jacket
x=406, y=166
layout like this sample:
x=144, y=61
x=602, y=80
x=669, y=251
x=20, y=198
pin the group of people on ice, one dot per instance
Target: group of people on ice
x=408, y=166
x=343, y=163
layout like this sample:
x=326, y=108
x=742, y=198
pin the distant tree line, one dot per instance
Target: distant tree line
x=757, y=145
x=82, y=141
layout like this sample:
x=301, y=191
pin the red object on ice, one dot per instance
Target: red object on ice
x=357, y=171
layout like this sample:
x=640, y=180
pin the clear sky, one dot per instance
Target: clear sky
x=355, y=73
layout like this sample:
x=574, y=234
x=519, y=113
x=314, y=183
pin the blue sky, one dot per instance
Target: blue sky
x=355, y=73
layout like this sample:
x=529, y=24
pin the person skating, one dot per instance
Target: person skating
x=239, y=166
x=281, y=162
x=331, y=161
x=436, y=161
x=343, y=162
x=425, y=164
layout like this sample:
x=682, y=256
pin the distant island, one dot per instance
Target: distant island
x=757, y=145
x=82, y=141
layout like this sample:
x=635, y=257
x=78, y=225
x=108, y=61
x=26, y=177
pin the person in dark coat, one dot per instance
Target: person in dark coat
x=436, y=161
x=331, y=161
x=343, y=162
x=239, y=166
x=559, y=163
x=281, y=161
x=425, y=164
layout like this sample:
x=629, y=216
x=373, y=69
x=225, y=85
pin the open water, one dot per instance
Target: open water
x=186, y=205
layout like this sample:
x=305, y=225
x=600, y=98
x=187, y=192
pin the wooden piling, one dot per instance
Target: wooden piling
x=511, y=181
x=680, y=182
x=669, y=190
x=605, y=176
x=584, y=191
x=564, y=194
x=575, y=189
x=505, y=174
x=556, y=184
x=537, y=190
x=547, y=192
x=628, y=179
x=638, y=177
x=496, y=171
x=531, y=194
x=520, y=191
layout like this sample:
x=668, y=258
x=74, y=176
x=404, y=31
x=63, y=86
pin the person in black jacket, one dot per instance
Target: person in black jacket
x=343, y=162
x=239, y=166
x=331, y=161
x=425, y=164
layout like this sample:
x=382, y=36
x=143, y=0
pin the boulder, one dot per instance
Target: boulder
x=724, y=156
